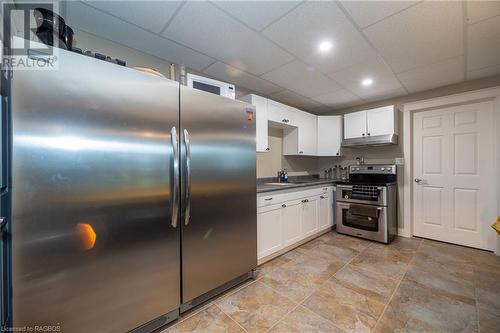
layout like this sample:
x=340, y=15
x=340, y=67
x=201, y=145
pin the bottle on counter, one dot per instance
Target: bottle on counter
x=285, y=176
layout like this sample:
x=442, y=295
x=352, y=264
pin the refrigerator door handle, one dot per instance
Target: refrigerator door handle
x=187, y=213
x=175, y=180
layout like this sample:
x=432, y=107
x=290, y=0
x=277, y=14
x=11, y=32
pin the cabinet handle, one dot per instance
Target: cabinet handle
x=337, y=154
x=283, y=205
x=270, y=149
x=322, y=197
x=363, y=134
x=305, y=200
x=301, y=152
x=267, y=199
x=368, y=133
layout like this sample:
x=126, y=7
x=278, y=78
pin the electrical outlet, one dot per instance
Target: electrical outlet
x=400, y=161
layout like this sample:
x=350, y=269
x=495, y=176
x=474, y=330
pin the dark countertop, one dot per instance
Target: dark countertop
x=294, y=183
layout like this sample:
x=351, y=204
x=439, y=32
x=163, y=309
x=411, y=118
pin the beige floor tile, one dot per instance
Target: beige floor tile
x=418, y=309
x=489, y=320
x=341, y=315
x=329, y=251
x=291, y=283
x=389, y=263
x=434, y=263
x=302, y=320
x=404, y=243
x=271, y=265
x=442, y=283
x=350, y=242
x=370, y=284
x=256, y=307
x=348, y=297
x=211, y=319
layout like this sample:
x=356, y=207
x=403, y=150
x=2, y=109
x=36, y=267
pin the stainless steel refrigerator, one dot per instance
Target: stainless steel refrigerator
x=131, y=198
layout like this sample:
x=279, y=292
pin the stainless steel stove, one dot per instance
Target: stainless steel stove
x=367, y=203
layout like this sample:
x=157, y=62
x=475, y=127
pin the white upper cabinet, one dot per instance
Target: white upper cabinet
x=301, y=140
x=379, y=121
x=355, y=125
x=281, y=113
x=329, y=135
x=261, y=116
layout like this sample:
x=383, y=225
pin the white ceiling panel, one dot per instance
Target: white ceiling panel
x=209, y=30
x=365, y=13
x=290, y=98
x=150, y=15
x=101, y=24
x=483, y=72
x=301, y=31
x=339, y=98
x=304, y=80
x=425, y=33
x=483, y=41
x=480, y=10
x=386, y=95
x=383, y=79
x=257, y=14
x=433, y=76
x=236, y=76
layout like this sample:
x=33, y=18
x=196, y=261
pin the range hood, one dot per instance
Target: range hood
x=367, y=141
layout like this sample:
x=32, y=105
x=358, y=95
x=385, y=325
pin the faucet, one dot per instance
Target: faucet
x=360, y=160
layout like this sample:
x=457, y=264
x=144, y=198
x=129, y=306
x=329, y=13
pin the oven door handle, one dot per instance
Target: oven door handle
x=347, y=206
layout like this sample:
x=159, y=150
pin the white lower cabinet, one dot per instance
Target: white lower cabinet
x=292, y=229
x=309, y=218
x=285, y=219
x=326, y=209
x=269, y=230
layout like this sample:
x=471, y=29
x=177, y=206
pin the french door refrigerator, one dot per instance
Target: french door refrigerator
x=130, y=197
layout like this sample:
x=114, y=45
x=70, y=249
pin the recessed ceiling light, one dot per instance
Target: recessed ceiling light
x=367, y=82
x=325, y=46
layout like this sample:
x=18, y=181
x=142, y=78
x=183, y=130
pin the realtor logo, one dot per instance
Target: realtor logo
x=32, y=34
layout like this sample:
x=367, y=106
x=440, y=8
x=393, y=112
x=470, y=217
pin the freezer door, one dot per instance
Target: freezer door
x=219, y=235
x=94, y=245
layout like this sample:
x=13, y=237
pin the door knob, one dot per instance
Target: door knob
x=419, y=181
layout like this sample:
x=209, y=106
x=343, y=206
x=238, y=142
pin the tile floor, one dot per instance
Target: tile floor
x=337, y=283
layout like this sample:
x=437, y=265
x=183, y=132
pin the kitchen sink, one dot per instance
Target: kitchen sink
x=279, y=184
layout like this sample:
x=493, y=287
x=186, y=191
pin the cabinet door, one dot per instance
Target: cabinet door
x=329, y=135
x=277, y=112
x=380, y=121
x=355, y=125
x=291, y=222
x=325, y=211
x=307, y=134
x=269, y=230
x=309, y=216
x=261, y=122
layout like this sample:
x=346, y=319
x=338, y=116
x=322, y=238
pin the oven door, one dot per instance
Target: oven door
x=362, y=226
x=345, y=193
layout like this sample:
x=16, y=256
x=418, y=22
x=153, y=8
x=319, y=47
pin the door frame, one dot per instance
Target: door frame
x=408, y=109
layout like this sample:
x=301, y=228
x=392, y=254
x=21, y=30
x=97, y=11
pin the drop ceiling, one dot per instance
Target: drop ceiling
x=271, y=47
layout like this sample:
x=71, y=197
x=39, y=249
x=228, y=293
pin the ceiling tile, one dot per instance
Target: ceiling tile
x=339, y=98
x=480, y=10
x=301, y=79
x=236, y=76
x=290, y=98
x=425, y=33
x=386, y=95
x=483, y=44
x=383, y=79
x=257, y=14
x=150, y=15
x=301, y=30
x=365, y=13
x=209, y=30
x=433, y=76
x=101, y=24
x=483, y=72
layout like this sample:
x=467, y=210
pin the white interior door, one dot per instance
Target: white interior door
x=454, y=189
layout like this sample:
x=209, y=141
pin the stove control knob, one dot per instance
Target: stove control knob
x=346, y=196
x=383, y=169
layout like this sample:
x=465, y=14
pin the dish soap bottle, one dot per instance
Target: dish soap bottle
x=285, y=176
